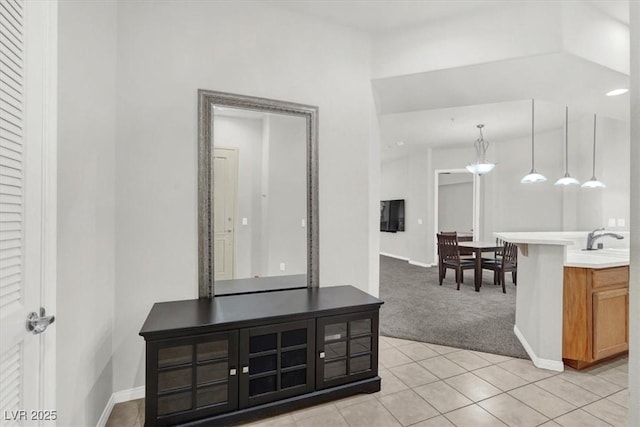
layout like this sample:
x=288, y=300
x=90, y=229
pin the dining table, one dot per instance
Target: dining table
x=478, y=247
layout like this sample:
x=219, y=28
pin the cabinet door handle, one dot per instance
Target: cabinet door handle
x=322, y=355
x=232, y=372
x=245, y=369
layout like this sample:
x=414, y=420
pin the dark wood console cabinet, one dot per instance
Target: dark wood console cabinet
x=234, y=358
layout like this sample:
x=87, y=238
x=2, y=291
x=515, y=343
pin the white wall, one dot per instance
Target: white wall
x=594, y=207
x=634, y=265
x=590, y=34
x=524, y=207
x=287, y=196
x=613, y=146
x=405, y=178
x=394, y=185
x=455, y=206
x=86, y=182
x=167, y=51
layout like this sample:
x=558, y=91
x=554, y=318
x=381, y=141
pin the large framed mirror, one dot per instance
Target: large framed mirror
x=257, y=194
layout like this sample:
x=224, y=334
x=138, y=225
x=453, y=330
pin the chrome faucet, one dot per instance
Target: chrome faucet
x=592, y=237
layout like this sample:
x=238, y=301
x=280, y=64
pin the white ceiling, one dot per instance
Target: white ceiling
x=451, y=126
x=561, y=78
x=417, y=109
x=377, y=16
x=618, y=9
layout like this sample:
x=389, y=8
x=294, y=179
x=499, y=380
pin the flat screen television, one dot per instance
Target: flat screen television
x=392, y=215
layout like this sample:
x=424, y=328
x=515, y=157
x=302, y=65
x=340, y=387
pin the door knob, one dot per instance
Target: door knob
x=37, y=324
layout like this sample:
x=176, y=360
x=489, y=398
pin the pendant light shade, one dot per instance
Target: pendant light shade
x=481, y=166
x=566, y=179
x=533, y=175
x=593, y=182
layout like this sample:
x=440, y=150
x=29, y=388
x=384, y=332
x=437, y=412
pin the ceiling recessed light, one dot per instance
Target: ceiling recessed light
x=616, y=92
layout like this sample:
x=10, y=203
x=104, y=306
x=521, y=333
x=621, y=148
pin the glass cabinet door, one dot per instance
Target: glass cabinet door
x=194, y=377
x=347, y=348
x=276, y=362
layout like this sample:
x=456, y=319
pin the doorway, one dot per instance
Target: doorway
x=456, y=204
x=224, y=217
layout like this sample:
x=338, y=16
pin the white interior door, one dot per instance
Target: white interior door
x=225, y=169
x=27, y=209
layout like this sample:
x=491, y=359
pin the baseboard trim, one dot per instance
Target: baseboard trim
x=119, y=397
x=552, y=365
x=102, y=421
x=127, y=395
x=394, y=256
x=419, y=264
x=410, y=261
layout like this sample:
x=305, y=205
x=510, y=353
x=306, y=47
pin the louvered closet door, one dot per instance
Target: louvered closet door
x=23, y=197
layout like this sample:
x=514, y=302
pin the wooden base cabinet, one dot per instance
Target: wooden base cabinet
x=240, y=357
x=595, y=314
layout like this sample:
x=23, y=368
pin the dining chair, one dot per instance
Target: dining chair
x=465, y=253
x=449, y=258
x=507, y=262
x=499, y=242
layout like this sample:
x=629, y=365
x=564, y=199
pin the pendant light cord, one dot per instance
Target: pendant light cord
x=566, y=140
x=532, y=134
x=594, y=145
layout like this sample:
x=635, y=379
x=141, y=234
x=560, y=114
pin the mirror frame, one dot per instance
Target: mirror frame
x=206, y=100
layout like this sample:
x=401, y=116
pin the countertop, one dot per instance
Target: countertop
x=574, y=241
x=537, y=237
x=601, y=258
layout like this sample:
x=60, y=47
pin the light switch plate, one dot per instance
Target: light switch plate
x=419, y=221
x=245, y=221
x=303, y=223
x=621, y=222
x=612, y=222
x=282, y=266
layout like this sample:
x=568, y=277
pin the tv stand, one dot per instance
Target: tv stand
x=242, y=357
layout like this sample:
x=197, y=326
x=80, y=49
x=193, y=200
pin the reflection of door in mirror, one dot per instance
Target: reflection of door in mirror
x=260, y=194
x=225, y=167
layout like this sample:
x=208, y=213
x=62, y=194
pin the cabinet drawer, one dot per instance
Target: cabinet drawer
x=610, y=276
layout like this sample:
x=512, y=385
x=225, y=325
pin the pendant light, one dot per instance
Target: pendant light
x=481, y=166
x=593, y=182
x=566, y=179
x=533, y=175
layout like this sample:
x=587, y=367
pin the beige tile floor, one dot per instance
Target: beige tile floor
x=427, y=385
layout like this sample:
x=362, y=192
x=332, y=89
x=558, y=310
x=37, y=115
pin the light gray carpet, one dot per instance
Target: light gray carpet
x=416, y=308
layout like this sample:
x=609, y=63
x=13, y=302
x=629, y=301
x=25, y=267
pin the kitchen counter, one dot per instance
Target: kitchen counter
x=574, y=241
x=542, y=257
x=538, y=237
x=601, y=258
